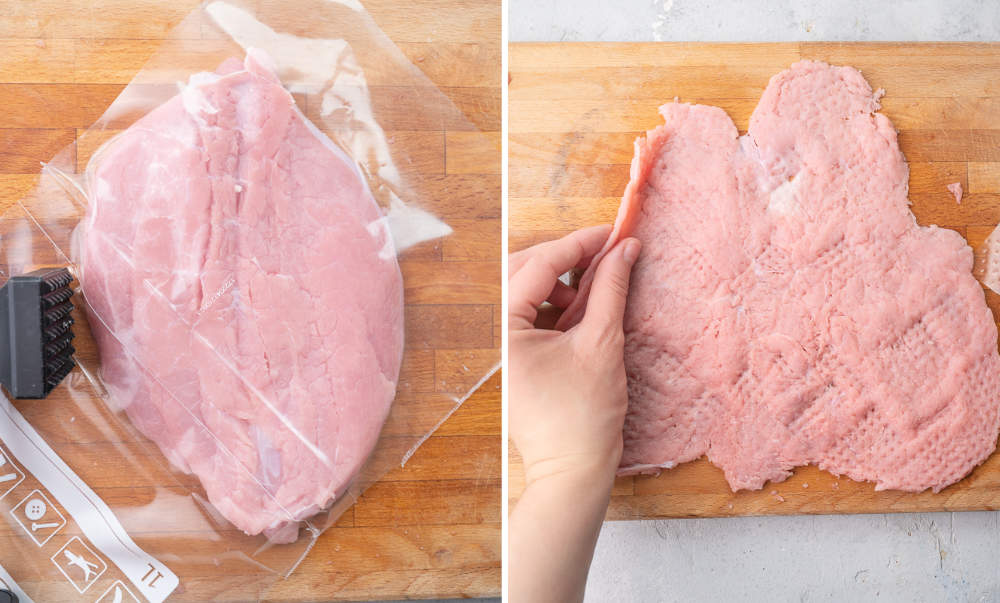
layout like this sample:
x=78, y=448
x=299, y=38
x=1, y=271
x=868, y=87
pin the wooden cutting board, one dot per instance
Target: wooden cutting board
x=575, y=110
x=432, y=528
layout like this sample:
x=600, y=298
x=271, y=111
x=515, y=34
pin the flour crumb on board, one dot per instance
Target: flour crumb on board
x=805, y=484
x=956, y=189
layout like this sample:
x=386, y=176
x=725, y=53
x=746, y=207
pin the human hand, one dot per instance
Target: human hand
x=568, y=389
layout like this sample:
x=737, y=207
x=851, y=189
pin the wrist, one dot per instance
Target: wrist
x=592, y=472
x=554, y=528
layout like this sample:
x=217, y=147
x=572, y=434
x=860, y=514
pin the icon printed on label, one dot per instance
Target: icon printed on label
x=79, y=563
x=118, y=593
x=35, y=508
x=10, y=474
x=38, y=516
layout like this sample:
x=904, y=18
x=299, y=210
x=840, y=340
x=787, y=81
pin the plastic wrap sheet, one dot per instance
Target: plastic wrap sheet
x=253, y=227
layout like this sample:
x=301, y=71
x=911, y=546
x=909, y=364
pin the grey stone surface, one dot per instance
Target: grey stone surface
x=753, y=20
x=897, y=557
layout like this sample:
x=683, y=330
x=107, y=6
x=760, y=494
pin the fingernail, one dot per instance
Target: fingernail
x=631, y=251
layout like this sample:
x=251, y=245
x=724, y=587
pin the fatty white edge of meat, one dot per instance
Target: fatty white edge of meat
x=642, y=467
x=782, y=199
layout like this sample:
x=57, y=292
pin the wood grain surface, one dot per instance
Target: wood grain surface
x=429, y=529
x=575, y=110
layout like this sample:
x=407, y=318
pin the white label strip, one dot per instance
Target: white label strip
x=98, y=523
x=12, y=586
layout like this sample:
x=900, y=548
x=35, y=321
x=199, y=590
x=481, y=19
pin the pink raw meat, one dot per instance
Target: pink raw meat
x=955, y=188
x=245, y=296
x=787, y=309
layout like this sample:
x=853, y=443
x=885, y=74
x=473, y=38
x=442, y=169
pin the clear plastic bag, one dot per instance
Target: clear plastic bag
x=232, y=298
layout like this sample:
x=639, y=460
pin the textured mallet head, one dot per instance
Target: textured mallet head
x=36, y=350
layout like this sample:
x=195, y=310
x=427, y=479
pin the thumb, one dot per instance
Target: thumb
x=606, y=303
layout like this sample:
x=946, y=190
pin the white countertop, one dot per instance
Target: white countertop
x=897, y=557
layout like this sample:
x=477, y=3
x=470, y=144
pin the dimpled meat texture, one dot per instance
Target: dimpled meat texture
x=245, y=296
x=787, y=309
